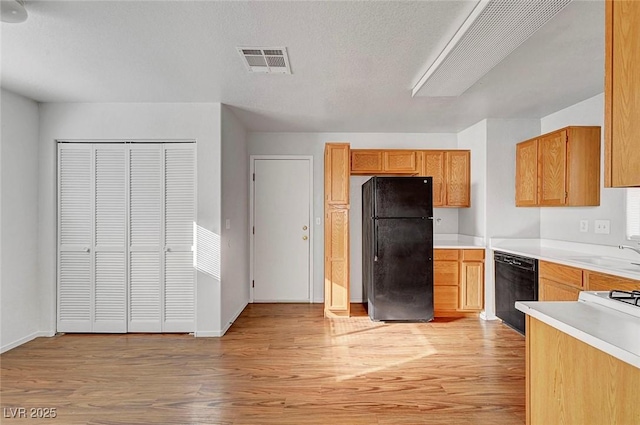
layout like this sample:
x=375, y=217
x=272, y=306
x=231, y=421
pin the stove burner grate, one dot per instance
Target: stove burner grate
x=629, y=297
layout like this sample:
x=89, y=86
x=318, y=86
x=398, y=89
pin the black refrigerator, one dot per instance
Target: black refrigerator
x=397, y=248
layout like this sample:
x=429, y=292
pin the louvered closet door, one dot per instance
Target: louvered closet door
x=75, y=228
x=179, y=274
x=146, y=206
x=110, y=306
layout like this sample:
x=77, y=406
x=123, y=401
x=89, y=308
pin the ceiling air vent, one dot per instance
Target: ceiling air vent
x=494, y=29
x=270, y=60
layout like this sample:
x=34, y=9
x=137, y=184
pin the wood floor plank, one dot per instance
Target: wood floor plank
x=278, y=364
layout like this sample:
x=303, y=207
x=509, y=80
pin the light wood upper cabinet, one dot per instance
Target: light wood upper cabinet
x=336, y=173
x=552, y=160
x=527, y=173
x=433, y=165
x=622, y=94
x=380, y=161
x=451, y=173
x=561, y=168
x=458, y=178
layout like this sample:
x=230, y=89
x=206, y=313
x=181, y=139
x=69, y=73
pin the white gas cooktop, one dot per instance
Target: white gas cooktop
x=603, y=298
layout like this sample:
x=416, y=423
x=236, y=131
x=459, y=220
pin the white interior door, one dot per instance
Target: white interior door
x=146, y=241
x=179, y=216
x=110, y=235
x=282, y=233
x=75, y=241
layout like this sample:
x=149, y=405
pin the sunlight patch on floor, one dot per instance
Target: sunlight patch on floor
x=358, y=333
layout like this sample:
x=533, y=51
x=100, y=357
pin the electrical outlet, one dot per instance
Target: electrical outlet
x=602, y=226
x=584, y=226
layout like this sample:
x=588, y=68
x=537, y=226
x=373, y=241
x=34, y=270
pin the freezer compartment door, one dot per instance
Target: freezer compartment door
x=402, y=286
x=403, y=197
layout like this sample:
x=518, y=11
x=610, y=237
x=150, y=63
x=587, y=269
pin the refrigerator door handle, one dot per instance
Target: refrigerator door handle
x=375, y=238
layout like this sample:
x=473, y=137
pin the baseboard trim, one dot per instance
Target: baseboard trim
x=207, y=334
x=24, y=340
x=218, y=334
x=485, y=316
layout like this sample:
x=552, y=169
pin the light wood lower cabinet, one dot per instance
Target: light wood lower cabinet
x=458, y=282
x=570, y=382
x=557, y=282
x=595, y=281
x=548, y=290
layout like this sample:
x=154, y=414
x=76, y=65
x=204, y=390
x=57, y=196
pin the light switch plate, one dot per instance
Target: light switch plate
x=602, y=226
x=584, y=226
x=318, y=221
x=227, y=223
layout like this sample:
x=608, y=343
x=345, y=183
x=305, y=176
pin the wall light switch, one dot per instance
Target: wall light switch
x=602, y=226
x=318, y=221
x=584, y=226
x=227, y=223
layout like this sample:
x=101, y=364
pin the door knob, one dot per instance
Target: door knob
x=87, y=250
x=304, y=227
x=304, y=238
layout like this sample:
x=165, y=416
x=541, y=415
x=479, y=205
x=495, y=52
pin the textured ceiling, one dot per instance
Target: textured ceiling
x=354, y=63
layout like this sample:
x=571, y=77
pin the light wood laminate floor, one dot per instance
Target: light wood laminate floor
x=278, y=364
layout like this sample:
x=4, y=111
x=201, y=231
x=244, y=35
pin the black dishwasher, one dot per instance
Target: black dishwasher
x=516, y=280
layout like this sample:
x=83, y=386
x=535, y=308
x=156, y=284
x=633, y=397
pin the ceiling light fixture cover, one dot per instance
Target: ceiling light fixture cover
x=13, y=11
x=494, y=29
x=269, y=60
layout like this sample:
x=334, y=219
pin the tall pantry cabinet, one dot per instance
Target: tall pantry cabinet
x=336, y=227
x=125, y=237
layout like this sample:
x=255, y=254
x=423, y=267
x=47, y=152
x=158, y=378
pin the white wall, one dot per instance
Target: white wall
x=19, y=290
x=195, y=121
x=313, y=144
x=472, y=220
x=235, y=209
x=502, y=216
x=564, y=223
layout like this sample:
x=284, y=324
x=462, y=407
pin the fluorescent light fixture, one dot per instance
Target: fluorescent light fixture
x=493, y=30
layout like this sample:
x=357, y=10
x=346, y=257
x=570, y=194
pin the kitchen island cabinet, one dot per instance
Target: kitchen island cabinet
x=582, y=366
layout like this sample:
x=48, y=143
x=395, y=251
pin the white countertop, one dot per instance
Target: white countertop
x=455, y=241
x=569, y=253
x=611, y=331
